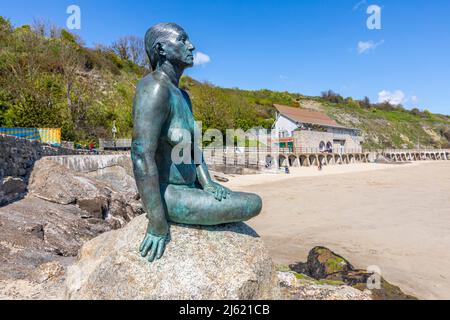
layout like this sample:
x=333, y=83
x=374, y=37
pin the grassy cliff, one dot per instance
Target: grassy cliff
x=48, y=78
x=383, y=125
x=394, y=127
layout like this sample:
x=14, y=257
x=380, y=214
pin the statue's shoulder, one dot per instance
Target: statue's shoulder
x=153, y=87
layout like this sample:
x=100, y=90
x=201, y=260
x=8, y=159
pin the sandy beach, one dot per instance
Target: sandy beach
x=396, y=217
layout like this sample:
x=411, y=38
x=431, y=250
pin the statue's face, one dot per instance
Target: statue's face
x=179, y=49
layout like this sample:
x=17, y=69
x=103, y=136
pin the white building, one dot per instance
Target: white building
x=310, y=130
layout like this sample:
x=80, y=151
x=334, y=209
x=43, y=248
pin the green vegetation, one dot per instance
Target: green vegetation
x=334, y=264
x=388, y=126
x=305, y=278
x=282, y=268
x=394, y=128
x=222, y=109
x=48, y=78
x=386, y=292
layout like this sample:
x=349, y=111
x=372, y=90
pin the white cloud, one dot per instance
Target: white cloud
x=415, y=100
x=397, y=97
x=366, y=46
x=201, y=58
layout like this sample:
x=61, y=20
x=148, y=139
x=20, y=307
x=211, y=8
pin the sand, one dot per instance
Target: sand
x=396, y=217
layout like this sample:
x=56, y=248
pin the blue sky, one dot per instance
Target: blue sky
x=304, y=46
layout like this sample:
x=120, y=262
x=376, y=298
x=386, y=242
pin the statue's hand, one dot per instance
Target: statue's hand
x=219, y=192
x=153, y=246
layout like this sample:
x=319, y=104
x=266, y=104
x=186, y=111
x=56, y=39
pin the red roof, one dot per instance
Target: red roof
x=307, y=116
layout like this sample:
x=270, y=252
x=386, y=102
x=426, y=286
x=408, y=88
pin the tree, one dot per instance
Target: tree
x=209, y=108
x=416, y=112
x=137, y=50
x=352, y=103
x=6, y=30
x=120, y=47
x=69, y=63
x=40, y=27
x=365, y=103
x=44, y=28
x=131, y=48
x=5, y=25
x=66, y=36
x=332, y=97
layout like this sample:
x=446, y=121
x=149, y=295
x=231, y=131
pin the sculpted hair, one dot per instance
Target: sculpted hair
x=158, y=34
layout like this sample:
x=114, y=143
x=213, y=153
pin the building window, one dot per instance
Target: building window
x=322, y=146
x=329, y=147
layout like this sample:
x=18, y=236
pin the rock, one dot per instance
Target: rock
x=326, y=266
x=34, y=231
x=49, y=271
x=351, y=277
x=11, y=189
x=46, y=282
x=219, y=177
x=19, y=290
x=13, y=185
x=223, y=262
x=387, y=291
x=323, y=262
x=96, y=207
x=63, y=210
x=299, y=287
x=106, y=195
x=117, y=178
x=53, y=182
x=382, y=159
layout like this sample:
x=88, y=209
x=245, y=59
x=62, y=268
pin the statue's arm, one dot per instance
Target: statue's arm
x=204, y=179
x=150, y=112
x=203, y=176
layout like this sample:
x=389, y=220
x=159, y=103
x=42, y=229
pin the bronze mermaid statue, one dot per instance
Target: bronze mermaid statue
x=182, y=193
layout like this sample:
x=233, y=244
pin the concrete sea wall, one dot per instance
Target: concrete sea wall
x=17, y=158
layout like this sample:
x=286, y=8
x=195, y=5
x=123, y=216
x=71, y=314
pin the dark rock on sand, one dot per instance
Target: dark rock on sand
x=325, y=265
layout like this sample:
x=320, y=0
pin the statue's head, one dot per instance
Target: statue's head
x=169, y=42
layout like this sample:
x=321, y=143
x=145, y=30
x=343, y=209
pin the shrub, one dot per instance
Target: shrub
x=5, y=27
x=332, y=97
x=69, y=37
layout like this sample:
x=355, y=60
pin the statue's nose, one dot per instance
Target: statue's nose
x=191, y=46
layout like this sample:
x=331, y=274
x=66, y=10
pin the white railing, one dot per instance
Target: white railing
x=115, y=144
x=414, y=151
x=273, y=150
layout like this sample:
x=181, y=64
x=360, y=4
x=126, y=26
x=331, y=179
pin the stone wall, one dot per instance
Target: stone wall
x=17, y=158
x=312, y=139
x=89, y=163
